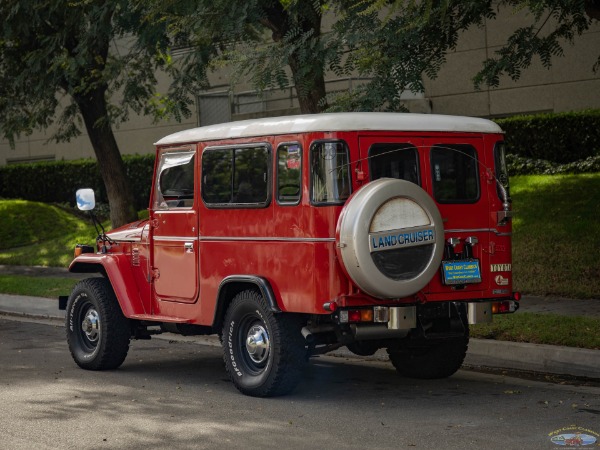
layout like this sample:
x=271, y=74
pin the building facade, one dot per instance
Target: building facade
x=569, y=85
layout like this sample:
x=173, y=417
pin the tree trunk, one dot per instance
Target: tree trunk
x=310, y=99
x=592, y=9
x=95, y=116
x=310, y=84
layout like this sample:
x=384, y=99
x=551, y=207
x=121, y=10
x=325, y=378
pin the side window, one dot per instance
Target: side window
x=501, y=168
x=289, y=173
x=175, y=181
x=455, y=173
x=394, y=161
x=330, y=172
x=235, y=176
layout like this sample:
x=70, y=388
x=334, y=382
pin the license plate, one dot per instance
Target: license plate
x=461, y=272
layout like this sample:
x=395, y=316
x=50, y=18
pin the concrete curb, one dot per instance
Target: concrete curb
x=534, y=357
x=482, y=352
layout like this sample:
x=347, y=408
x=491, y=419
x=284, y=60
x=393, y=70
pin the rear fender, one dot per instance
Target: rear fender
x=233, y=285
x=118, y=270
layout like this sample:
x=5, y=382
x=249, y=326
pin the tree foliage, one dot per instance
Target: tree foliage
x=397, y=47
x=391, y=43
x=553, y=23
x=272, y=43
x=61, y=61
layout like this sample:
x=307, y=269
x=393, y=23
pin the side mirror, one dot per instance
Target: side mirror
x=86, y=201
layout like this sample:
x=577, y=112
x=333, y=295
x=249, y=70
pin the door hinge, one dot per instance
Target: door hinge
x=154, y=274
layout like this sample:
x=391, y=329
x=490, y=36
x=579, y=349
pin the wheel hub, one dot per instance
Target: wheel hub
x=91, y=325
x=257, y=344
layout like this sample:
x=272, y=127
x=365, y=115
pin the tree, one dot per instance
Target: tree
x=394, y=43
x=260, y=39
x=412, y=38
x=61, y=58
x=553, y=23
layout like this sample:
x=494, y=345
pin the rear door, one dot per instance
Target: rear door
x=458, y=184
x=452, y=171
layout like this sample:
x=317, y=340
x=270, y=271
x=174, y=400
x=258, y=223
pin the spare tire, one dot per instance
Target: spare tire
x=390, y=238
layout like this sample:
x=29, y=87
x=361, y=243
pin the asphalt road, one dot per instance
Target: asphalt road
x=173, y=394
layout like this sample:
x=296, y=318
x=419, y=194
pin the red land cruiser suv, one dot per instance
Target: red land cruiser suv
x=293, y=236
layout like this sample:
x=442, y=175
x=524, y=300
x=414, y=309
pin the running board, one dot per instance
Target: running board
x=155, y=318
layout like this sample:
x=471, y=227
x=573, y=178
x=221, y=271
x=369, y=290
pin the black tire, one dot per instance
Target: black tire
x=439, y=359
x=98, y=333
x=364, y=348
x=264, y=352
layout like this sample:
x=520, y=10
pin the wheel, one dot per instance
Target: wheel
x=264, y=352
x=98, y=333
x=364, y=348
x=439, y=359
x=390, y=238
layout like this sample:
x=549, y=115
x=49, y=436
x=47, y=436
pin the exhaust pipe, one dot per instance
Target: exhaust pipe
x=308, y=336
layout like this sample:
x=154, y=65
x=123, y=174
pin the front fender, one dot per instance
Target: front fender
x=118, y=270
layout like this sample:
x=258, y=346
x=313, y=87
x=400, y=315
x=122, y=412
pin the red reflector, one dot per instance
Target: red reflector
x=330, y=306
x=517, y=296
x=354, y=316
x=503, y=307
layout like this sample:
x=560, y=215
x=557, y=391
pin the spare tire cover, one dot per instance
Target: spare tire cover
x=390, y=238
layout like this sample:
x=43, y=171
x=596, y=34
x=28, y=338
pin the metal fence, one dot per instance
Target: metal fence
x=224, y=105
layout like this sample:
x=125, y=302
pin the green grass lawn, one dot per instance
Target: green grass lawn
x=556, y=244
x=50, y=287
x=37, y=234
x=548, y=329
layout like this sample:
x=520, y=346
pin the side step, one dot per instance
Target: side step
x=155, y=318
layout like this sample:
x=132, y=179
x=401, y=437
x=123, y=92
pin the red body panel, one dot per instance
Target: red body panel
x=187, y=253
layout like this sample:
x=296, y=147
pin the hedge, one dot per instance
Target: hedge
x=557, y=138
x=540, y=144
x=517, y=165
x=56, y=182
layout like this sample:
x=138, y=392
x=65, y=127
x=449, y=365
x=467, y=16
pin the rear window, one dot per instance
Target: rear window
x=455, y=173
x=394, y=161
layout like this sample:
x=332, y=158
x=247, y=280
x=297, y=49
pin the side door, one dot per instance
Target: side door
x=174, y=226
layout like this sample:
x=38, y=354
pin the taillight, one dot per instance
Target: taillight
x=356, y=315
x=505, y=307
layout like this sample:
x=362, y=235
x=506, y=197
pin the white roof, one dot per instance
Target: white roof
x=371, y=121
